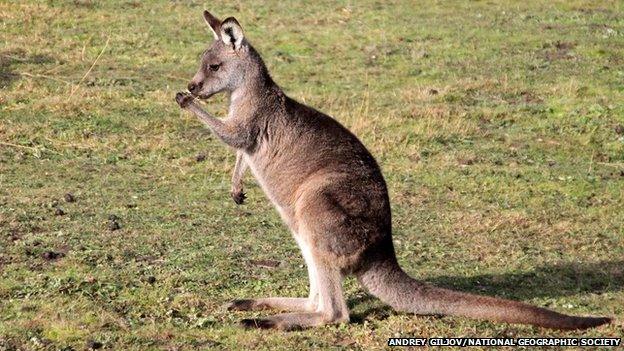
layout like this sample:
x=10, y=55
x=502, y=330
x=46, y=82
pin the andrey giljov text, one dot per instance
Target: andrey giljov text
x=493, y=342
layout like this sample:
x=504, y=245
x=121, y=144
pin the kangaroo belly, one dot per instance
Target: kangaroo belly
x=269, y=188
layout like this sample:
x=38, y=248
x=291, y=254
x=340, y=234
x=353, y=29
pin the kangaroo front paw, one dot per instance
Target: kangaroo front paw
x=183, y=99
x=238, y=196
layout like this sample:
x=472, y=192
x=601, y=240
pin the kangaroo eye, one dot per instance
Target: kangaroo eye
x=214, y=68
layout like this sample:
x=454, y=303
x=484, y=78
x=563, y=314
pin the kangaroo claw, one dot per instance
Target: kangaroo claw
x=239, y=197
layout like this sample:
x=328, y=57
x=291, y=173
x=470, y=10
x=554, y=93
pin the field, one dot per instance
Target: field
x=499, y=127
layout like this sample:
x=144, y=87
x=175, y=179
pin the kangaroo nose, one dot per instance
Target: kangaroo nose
x=194, y=87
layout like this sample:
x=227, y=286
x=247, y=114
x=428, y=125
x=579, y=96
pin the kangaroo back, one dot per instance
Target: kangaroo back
x=386, y=280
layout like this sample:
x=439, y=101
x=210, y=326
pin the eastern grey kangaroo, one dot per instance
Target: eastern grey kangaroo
x=330, y=192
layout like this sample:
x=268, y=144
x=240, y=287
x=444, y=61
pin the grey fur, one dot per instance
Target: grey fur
x=330, y=192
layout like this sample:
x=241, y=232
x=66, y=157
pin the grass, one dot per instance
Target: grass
x=499, y=127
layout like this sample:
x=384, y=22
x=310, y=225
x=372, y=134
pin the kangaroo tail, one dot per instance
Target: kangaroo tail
x=386, y=280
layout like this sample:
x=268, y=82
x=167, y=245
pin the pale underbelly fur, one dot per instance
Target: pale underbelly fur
x=260, y=179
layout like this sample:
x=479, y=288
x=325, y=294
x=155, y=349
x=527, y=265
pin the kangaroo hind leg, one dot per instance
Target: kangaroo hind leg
x=331, y=309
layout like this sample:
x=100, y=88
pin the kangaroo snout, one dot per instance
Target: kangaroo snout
x=195, y=88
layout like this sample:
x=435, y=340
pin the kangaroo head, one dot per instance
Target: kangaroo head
x=227, y=62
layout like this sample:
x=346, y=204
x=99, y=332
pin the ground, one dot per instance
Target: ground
x=499, y=127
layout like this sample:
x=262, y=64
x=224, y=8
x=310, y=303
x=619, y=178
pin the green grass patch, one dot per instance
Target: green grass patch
x=499, y=128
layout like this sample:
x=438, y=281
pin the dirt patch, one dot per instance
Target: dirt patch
x=559, y=51
x=552, y=26
x=113, y=226
x=94, y=345
x=467, y=161
x=52, y=255
x=524, y=97
x=69, y=197
x=374, y=53
x=88, y=4
x=564, y=45
x=529, y=97
x=113, y=223
x=200, y=157
x=10, y=58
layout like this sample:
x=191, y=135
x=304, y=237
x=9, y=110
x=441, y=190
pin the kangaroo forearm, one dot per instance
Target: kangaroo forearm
x=237, y=179
x=239, y=171
x=231, y=135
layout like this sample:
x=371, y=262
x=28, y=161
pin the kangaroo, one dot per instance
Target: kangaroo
x=329, y=191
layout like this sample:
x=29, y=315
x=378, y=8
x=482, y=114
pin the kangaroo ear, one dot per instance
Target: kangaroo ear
x=213, y=23
x=232, y=33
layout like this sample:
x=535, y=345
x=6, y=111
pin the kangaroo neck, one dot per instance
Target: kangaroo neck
x=249, y=99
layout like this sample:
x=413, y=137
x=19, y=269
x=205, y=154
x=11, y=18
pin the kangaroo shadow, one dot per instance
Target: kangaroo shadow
x=10, y=58
x=367, y=307
x=556, y=280
x=550, y=281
